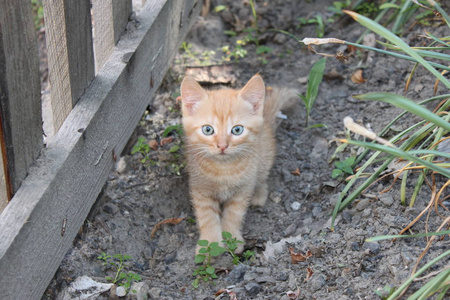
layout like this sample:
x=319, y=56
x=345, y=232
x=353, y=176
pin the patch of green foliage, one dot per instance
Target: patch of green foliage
x=119, y=263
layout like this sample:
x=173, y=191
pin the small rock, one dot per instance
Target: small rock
x=362, y=205
x=373, y=247
x=387, y=199
x=317, y=281
x=121, y=165
x=110, y=209
x=279, y=38
x=295, y=205
x=289, y=230
x=252, y=288
x=275, y=197
x=141, y=289
x=263, y=279
x=237, y=274
x=120, y=291
x=355, y=246
x=154, y=293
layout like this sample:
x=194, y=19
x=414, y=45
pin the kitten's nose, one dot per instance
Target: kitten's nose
x=222, y=147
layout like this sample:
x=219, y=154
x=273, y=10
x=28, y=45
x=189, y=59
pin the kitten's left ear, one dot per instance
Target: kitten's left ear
x=191, y=94
x=254, y=92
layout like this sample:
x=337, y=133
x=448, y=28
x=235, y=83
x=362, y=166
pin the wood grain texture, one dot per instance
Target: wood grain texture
x=103, y=31
x=70, y=53
x=110, y=18
x=121, y=12
x=20, y=90
x=73, y=168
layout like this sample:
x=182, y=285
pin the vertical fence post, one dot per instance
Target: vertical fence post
x=70, y=53
x=20, y=93
x=110, y=18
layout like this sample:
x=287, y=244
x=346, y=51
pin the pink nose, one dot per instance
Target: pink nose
x=222, y=147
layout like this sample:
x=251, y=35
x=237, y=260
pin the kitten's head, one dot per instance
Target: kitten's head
x=222, y=123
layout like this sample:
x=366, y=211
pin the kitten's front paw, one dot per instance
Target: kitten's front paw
x=260, y=196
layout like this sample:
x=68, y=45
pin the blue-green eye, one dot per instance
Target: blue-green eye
x=237, y=130
x=207, y=130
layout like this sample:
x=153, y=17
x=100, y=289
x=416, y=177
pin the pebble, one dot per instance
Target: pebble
x=141, y=289
x=363, y=204
x=295, y=205
x=276, y=197
x=317, y=281
x=237, y=274
x=279, y=38
x=252, y=288
x=154, y=293
x=110, y=209
x=387, y=199
x=120, y=291
x=373, y=247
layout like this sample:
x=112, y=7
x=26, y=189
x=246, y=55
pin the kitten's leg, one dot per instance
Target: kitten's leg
x=232, y=218
x=260, y=196
x=207, y=213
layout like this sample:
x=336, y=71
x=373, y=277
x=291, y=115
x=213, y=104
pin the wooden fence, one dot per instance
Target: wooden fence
x=103, y=71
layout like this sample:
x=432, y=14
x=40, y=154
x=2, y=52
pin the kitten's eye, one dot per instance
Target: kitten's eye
x=207, y=130
x=237, y=130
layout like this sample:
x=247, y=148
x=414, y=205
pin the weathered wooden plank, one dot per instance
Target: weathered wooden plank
x=110, y=18
x=20, y=91
x=121, y=12
x=70, y=53
x=73, y=168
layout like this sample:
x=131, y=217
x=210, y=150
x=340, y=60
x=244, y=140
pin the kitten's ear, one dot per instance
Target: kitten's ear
x=191, y=94
x=254, y=92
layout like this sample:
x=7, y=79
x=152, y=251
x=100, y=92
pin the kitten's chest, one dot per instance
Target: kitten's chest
x=223, y=181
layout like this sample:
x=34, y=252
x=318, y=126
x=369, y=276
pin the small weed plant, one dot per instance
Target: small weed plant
x=231, y=244
x=207, y=272
x=143, y=148
x=343, y=167
x=314, y=80
x=119, y=263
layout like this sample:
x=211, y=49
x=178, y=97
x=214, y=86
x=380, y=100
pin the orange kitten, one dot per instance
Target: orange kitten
x=230, y=148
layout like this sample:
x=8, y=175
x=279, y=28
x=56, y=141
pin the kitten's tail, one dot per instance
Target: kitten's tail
x=276, y=100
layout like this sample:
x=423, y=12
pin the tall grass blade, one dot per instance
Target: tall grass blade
x=407, y=105
x=417, y=274
x=405, y=155
x=397, y=236
x=380, y=30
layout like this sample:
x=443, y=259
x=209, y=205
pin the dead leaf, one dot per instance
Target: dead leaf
x=298, y=257
x=229, y=292
x=166, y=141
x=357, y=77
x=220, y=292
x=296, y=172
x=351, y=49
x=309, y=273
x=293, y=295
x=153, y=144
x=173, y=221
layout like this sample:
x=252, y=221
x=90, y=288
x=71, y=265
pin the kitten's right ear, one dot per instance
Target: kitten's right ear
x=191, y=94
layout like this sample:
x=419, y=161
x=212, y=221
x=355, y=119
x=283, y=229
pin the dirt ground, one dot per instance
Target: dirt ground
x=297, y=215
